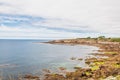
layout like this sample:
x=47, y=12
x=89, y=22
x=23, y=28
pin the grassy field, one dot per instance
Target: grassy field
x=115, y=39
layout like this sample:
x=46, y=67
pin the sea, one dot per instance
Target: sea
x=20, y=56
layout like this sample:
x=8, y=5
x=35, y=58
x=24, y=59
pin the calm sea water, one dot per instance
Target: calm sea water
x=27, y=56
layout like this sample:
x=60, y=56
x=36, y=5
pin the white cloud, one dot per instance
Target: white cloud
x=61, y=23
x=98, y=15
x=6, y=31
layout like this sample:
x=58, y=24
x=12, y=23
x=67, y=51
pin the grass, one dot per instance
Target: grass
x=95, y=65
x=87, y=73
x=94, y=68
x=115, y=39
x=111, y=53
x=116, y=65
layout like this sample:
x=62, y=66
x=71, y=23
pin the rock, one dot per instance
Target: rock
x=77, y=68
x=80, y=59
x=62, y=68
x=46, y=70
x=31, y=77
x=73, y=58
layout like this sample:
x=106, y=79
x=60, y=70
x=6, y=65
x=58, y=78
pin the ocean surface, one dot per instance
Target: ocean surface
x=31, y=56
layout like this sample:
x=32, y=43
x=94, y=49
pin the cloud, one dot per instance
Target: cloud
x=70, y=16
x=33, y=33
x=38, y=22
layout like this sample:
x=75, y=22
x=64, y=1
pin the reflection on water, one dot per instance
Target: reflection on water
x=25, y=56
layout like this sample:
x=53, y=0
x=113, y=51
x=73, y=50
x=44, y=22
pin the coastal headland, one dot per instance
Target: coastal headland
x=104, y=67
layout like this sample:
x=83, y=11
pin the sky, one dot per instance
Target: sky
x=56, y=19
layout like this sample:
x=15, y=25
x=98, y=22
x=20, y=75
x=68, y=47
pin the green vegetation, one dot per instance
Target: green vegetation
x=115, y=39
x=113, y=53
x=88, y=37
x=94, y=68
x=95, y=65
x=108, y=39
x=101, y=37
x=87, y=73
x=116, y=65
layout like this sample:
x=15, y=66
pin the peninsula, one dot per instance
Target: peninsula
x=106, y=67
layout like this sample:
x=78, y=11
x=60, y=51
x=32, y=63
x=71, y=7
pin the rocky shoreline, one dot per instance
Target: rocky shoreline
x=106, y=67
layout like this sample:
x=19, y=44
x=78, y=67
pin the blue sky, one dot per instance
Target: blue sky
x=54, y=19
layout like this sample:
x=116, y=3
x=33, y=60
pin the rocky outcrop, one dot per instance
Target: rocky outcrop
x=99, y=68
